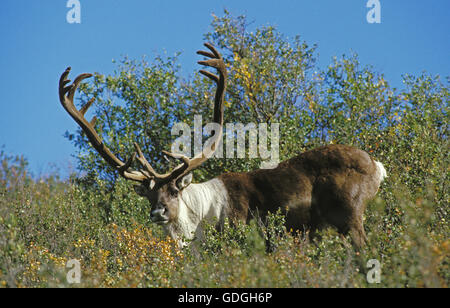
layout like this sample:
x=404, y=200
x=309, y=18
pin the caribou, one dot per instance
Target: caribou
x=326, y=186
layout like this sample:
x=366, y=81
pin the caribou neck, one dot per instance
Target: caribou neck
x=198, y=203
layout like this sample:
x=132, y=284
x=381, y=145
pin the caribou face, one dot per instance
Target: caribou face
x=165, y=199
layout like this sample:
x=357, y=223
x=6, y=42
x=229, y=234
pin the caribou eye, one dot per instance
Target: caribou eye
x=173, y=191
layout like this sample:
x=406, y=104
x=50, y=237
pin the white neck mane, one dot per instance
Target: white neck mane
x=199, y=202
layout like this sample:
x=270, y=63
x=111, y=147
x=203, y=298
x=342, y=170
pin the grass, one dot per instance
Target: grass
x=45, y=223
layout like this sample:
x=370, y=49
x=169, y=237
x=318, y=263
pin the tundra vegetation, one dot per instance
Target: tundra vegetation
x=96, y=218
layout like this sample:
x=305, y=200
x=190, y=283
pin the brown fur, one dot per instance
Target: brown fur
x=325, y=186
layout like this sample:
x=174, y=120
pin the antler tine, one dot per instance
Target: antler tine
x=143, y=161
x=86, y=107
x=210, y=75
x=76, y=83
x=127, y=165
x=180, y=169
x=213, y=50
x=182, y=157
x=206, y=54
x=66, y=95
x=62, y=84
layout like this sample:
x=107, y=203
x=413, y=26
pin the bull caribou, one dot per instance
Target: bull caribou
x=329, y=185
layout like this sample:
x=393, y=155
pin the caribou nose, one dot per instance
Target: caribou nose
x=158, y=214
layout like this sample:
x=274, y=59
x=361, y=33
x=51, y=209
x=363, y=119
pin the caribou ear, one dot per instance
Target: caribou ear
x=184, y=181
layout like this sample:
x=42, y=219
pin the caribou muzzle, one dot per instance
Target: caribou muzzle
x=159, y=215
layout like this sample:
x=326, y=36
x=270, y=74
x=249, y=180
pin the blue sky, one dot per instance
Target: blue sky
x=37, y=44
